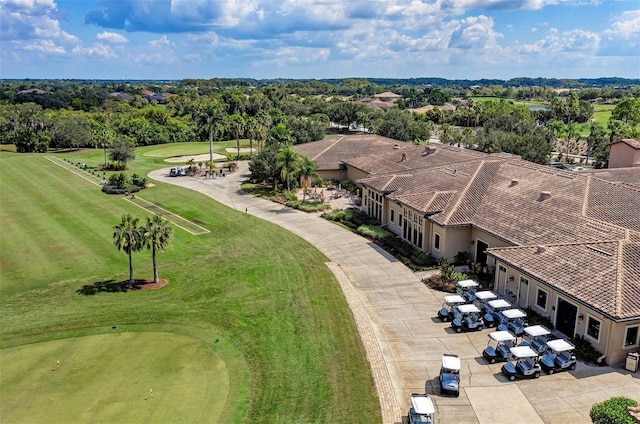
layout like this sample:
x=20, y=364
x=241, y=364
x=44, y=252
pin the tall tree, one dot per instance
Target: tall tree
x=128, y=238
x=121, y=151
x=307, y=171
x=237, y=124
x=208, y=115
x=287, y=160
x=157, y=234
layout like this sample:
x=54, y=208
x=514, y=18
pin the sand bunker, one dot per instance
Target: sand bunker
x=198, y=158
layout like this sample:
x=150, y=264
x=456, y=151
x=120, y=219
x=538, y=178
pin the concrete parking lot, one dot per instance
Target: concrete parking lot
x=404, y=341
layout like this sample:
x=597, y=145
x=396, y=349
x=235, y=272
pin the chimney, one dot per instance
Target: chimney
x=540, y=249
x=514, y=182
x=544, y=195
x=404, y=156
x=396, y=146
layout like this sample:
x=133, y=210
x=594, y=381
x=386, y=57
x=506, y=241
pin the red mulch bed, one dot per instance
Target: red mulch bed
x=144, y=284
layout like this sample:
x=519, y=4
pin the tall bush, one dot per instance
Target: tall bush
x=612, y=411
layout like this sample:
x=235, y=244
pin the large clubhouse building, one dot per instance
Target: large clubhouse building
x=566, y=244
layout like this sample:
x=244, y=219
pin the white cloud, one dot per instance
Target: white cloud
x=625, y=26
x=43, y=46
x=98, y=50
x=112, y=37
x=160, y=43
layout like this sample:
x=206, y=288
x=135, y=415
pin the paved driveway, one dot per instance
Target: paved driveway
x=395, y=313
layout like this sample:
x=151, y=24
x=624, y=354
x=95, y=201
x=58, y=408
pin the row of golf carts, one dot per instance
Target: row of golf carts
x=422, y=408
x=527, y=350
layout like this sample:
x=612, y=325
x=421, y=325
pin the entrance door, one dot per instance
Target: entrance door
x=481, y=252
x=566, y=317
x=501, y=282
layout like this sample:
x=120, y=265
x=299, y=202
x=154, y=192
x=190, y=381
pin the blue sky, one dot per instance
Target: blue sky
x=455, y=39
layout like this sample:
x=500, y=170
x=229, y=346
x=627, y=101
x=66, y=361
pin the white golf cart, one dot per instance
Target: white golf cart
x=513, y=320
x=446, y=313
x=450, y=374
x=522, y=363
x=559, y=356
x=492, y=310
x=498, y=346
x=482, y=297
x=467, y=289
x=421, y=410
x=536, y=337
x=468, y=318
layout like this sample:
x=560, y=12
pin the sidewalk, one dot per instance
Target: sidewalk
x=394, y=313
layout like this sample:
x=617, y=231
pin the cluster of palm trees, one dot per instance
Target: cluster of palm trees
x=130, y=237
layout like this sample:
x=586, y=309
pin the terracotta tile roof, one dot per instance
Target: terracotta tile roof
x=629, y=141
x=605, y=276
x=625, y=176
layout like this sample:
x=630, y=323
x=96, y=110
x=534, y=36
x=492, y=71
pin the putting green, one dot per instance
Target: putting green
x=115, y=378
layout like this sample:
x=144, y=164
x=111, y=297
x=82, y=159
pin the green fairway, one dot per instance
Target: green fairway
x=259, y=296
x=122, y=377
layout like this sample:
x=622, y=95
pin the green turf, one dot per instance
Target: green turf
x=284, y=329
x=136, y=377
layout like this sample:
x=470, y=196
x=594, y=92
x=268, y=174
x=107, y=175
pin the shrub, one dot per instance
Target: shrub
x=375, y=232
x=335, y=215
x=585, y=351
x=612, y=411
x=120, y=180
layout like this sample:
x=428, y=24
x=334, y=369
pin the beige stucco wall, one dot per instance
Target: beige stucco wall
x=354, y=174
x=452, y=241
x=477, y=234
x=331, y=174
x=623, y=156
x=612, y=334
x=393, y=226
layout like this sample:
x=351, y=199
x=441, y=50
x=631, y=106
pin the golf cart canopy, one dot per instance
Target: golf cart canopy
x=453, y=299
x=451, y=362
x=501, y=336
x=560, y=345
x=468, y=309
x=467, y=284
x=499, y=303
x=513, y=314
x=537, y=330
x=520, y=352
x=485, y=295
x=422, y=404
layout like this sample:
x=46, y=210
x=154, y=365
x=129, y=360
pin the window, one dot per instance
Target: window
x=393, y=215
x=631, y=337
x=593, y=328
x=400, y=220
x=541, y=299
x=436, y=241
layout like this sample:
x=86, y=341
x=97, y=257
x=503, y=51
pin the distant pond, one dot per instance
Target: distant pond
x=534, y=108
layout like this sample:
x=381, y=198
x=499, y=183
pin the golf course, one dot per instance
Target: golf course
x=251, y=327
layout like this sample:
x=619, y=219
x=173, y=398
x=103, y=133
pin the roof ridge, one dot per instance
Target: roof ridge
x=329, y=147
x=462, y=193
x=585, y=197
x=619, y=280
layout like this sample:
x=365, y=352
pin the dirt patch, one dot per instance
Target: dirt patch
x=144, y=284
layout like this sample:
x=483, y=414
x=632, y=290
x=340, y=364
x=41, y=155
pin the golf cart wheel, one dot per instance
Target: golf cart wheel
x=572, y=367
x=445, y=319
x=479, y=328
x=492, y=360
x=491, y=325
x=551, y=371
x=512, y=377
x=458, y=329
x=457, y=394
x=536, y=375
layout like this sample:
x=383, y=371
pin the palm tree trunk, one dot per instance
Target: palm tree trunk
x=211, y=144
x=156, y=279
x=131, y=280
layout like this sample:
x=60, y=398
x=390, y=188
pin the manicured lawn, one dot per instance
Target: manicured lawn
x=281, y=323
x=136, y=377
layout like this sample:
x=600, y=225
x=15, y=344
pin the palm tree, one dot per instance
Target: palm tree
x=307, y=171
x=157, y=234
x=127, y=237
x=237, y=124
x=252, y=129
x=286, y=161
x=209, y=115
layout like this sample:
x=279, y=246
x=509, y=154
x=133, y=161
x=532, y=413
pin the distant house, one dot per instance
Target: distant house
x=566, y=244
x=624, y=154
x=387, y=95
x=121, y=96
x=33, y=91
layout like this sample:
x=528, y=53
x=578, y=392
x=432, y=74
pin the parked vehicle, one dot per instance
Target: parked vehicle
x=450, y=374
x=469, y=318
x=493, y=308
x=513, y=320
x=446, y=312
x=467, y=289
x=482, y=297
x=558, y=357
x=498, y=346
x=182, y=172
x=421, y=410
x=536, y=337
x=173, y=172
x=522, y=363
